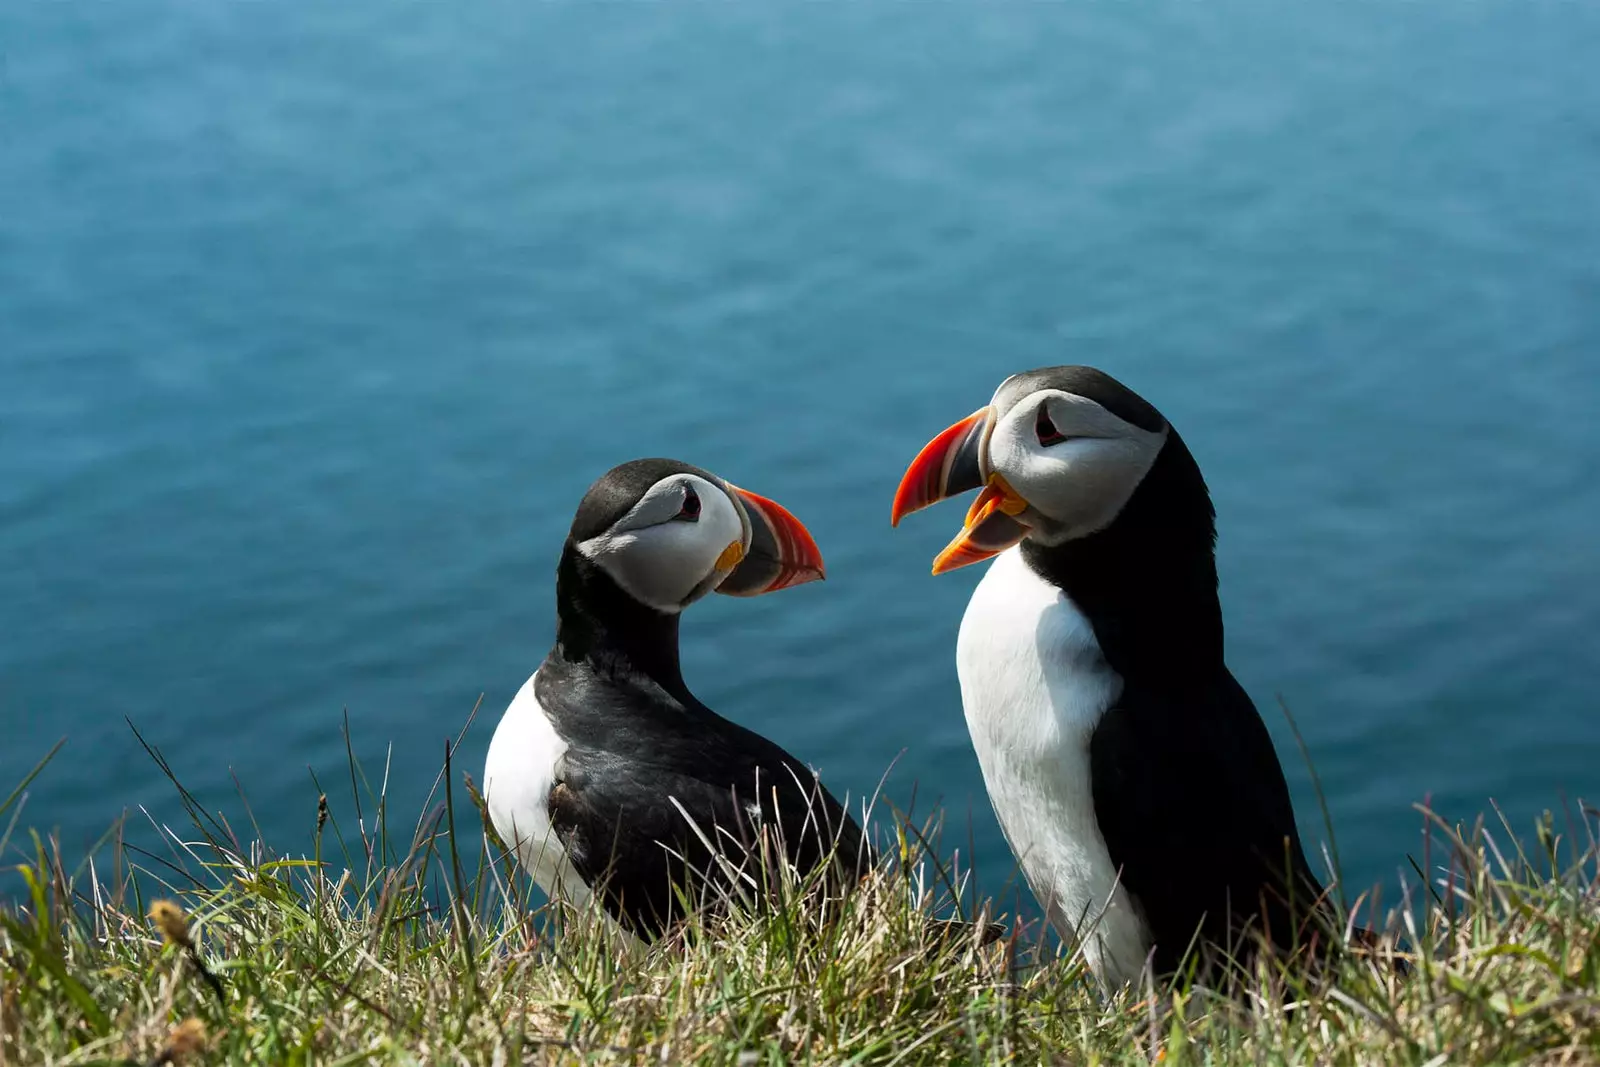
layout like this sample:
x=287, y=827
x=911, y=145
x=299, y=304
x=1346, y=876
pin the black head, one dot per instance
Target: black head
x=667, y=533
x=652, y=536
x=1089, y=383
x=1059, y=453
x=1100, y=490
x=616, y=492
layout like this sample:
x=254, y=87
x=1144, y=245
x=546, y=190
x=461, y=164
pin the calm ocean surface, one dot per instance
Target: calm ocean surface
x=317, y=319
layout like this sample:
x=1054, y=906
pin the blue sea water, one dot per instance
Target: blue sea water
x=317, y=319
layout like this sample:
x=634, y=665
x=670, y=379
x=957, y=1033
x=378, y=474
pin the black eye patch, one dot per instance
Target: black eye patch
x=690, y=512
x=1046, y=429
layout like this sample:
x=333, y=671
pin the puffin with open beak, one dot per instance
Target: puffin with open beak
x=1131, y=774
x=607, y=776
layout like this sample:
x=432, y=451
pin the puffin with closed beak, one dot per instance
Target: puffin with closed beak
x=1131, y=775
x=607, y=776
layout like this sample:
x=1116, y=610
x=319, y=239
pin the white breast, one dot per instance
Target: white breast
x=517, y=779
x=1034, y=685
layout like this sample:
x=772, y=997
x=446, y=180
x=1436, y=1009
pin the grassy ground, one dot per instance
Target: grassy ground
x=378, y=950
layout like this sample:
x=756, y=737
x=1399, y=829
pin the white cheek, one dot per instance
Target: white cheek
x=662, y=565
x=1009, y=453
x=1080, y=484
x=722, y=524
x=1040, y=476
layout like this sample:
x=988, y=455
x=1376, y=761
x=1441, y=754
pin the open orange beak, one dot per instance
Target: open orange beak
x=782, y=551
x=957, y=461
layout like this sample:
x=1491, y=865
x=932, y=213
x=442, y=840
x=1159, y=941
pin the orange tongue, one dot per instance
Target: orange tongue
x=988, y=501
x=998, y=493
x=985, y=503
x=980, y=537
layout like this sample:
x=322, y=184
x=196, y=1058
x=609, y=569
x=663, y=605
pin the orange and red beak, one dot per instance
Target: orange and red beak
x=957, y=461
x=782, y=551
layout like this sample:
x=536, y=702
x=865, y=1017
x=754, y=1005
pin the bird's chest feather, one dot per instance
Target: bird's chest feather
x=1034, y=685
x=518, y=776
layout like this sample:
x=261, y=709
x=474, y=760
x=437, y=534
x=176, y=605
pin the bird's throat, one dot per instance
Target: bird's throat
x=598, y=623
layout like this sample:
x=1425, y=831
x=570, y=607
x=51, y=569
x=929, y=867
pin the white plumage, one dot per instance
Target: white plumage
x=517, y=778
x=1034, y=685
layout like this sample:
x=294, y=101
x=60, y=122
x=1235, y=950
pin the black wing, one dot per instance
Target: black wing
x=658, y=810
x=1195, y=811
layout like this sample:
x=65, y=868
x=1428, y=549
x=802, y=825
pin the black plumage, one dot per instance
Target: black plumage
x=1188, y=792
x=636, y=736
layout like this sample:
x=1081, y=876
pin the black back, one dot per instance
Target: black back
x=1188, y=791
x=638, y=739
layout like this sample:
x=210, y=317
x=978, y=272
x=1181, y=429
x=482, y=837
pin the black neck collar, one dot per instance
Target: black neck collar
x=1148, y=582
x=599, y=624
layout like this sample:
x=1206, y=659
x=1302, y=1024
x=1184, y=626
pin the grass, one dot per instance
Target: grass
x=379, y=948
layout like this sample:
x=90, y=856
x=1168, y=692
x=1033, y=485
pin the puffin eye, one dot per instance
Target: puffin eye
x=690, y=512
x=1046, y=430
